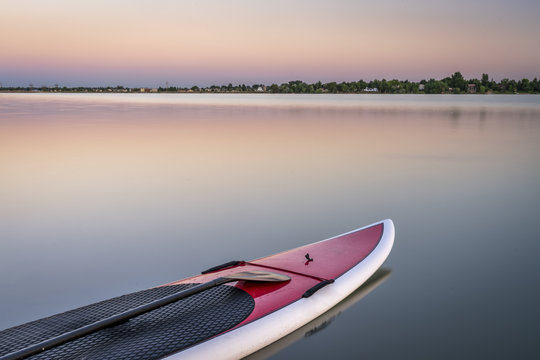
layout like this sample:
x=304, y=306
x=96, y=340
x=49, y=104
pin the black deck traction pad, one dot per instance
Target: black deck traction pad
x=152, y=335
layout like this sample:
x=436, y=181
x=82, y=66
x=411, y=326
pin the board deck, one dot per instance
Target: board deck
x=149, y=336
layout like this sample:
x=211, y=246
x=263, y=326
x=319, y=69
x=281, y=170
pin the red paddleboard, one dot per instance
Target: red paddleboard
x=341, y=264
x=223, y=321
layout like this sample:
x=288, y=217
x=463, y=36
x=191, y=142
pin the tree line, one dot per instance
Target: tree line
x=454, y=84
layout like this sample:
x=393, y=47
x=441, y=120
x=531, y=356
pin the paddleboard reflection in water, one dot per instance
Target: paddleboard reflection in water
x=322, y=322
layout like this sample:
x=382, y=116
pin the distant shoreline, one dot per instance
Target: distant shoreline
x=136, y=92
x=454, y=84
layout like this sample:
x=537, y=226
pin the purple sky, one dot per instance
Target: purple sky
x=148, y=43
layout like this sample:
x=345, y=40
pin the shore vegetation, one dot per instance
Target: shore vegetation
x=454, y=84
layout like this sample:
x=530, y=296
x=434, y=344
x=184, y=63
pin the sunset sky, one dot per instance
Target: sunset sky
x=204, y=42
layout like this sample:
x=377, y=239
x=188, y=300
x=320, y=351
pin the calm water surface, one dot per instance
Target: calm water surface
x=106, y=194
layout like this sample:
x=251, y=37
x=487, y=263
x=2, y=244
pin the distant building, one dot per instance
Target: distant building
x=421, y=87
x=368, y=89
x=471, y=88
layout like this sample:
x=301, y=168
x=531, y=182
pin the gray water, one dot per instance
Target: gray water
x=101, y=195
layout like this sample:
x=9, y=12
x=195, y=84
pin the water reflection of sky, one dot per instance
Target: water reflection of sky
x=103, y=197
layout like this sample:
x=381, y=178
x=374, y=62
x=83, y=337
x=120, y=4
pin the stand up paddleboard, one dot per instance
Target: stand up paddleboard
x=227, y=312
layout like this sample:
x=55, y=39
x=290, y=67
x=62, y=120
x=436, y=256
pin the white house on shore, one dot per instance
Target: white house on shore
x=368, y=89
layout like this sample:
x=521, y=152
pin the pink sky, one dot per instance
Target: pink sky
x=185, y=43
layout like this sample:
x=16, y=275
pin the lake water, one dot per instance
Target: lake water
x=101, y=195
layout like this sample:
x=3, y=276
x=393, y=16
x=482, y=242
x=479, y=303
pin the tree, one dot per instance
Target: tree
x=331, y=87
x=342, y=87
x=504, y=85
x=524, y=85
x=284, y=88
x=458, y=82
x=535, y=85
x=361, y=85
x=485, y=80
x=394, y=86
x=512, y=86
x=435, y=87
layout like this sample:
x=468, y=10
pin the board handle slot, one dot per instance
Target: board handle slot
x=317, y=287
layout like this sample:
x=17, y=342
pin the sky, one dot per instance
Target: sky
x=205, y=42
